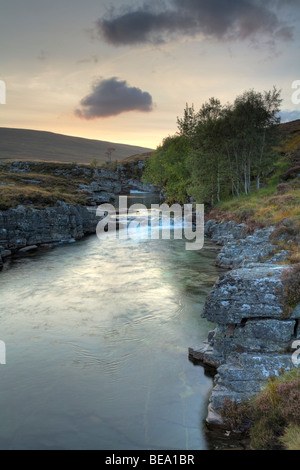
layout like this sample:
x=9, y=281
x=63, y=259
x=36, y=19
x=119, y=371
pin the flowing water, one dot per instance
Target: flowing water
x=97, y=336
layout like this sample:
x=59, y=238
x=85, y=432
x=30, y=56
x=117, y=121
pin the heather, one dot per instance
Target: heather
x=272, y=418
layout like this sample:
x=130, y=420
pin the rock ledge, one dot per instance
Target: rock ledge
x=253, y=337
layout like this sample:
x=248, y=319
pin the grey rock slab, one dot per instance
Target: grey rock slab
x=250, y=292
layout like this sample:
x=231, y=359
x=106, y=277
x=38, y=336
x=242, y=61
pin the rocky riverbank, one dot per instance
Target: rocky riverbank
x=28, y=226
x=38, y=183
x=254, y=331
x=25, y=229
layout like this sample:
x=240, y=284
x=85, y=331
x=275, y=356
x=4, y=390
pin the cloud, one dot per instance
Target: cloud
x=112, y=97
x=220, y=19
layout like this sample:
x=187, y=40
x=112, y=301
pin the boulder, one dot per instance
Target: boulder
x=250, y=292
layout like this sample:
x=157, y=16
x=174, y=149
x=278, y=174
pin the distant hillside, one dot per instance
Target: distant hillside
x=138, y=157
x=23, y=144
x=291, y=136
x=291, y=127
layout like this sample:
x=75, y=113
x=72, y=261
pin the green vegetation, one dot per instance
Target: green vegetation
x=291, y=437
x=240, y=162
x=168, y=168
x=277, y=203
x=291, y=289
x=94, y=163
x=221, y=151
x=271, y=419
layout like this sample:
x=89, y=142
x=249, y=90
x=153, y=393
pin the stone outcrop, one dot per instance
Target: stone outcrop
x=24, y=228
x=225, y=232
x=108, y=184
x=101, y=184
x=240, y=252
x=253, y=337
x=239, y=248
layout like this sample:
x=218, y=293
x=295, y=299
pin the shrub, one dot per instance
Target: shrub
x=288, y=229
x=283, y=188
x=272, y=419
x=290, y=174
x=294, y=257
x=291, y=437
x=94, y=163
x=291, y=288
x=237, y=416
x=275, y=409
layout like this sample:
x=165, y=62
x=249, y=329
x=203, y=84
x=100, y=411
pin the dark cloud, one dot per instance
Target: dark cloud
x=221, y=19
x=142, y=26
x=112, y=97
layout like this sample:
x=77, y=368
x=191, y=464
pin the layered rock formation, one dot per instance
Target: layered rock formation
x=25, y=228
x=108, y=184
x=100, y=185
x=253, y=337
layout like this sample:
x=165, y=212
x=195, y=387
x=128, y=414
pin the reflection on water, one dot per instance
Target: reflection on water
x=97, y=336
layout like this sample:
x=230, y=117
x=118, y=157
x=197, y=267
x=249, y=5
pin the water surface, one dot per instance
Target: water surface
x=97, y=336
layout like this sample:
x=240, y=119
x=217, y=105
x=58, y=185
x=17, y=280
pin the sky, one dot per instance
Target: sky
x=123, y=71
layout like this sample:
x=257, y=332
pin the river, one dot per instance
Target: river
x=97, y=336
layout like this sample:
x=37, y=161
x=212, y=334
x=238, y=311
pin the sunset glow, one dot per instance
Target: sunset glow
x=102, y=70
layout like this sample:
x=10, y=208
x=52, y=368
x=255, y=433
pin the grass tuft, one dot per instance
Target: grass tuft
x=272, y=418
